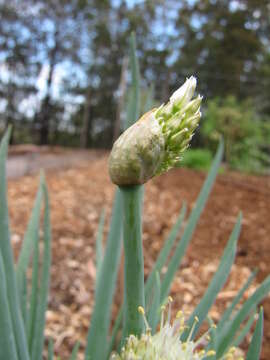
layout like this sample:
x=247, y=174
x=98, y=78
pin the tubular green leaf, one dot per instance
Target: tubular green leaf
x=75, y=351
x=8, y=260
x=218, y=280
x=33, y=298
x=254, y=349
x=99, y=247
x=105, y=288
x=160, y=262
x=227, y=336
x=38, y=341
x=31, y=236
x=228, y=312
x=163, y=255
x=153, y=313
x=7, y=341
x=50, y=350
x=244, y=331
x=193, y=219
x=132, y=199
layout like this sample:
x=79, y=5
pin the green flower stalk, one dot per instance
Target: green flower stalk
x=166, y=343
x=156, y=142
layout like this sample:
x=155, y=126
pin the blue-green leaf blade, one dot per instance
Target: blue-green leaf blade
x=30, y=237
x=254, y=349
x=75, y=351
x=192, y=222
x=50, y=350
x=32, y=313
x=7, y=340
x=8, y=259
x=38, y=341
x=164, y=253
x=153, y=313
x=99, y=246
x=228, y=312
x=218, y=279
x=226, y=337
x=100, y=320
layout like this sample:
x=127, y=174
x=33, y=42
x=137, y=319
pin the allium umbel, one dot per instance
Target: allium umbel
x=166, y=344
x=156, y=142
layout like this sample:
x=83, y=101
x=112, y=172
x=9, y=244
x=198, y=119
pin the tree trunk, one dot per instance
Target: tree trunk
x=44, y=116
x=86, y=120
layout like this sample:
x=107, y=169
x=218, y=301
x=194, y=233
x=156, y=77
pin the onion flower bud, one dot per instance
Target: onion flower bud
x=156, y=142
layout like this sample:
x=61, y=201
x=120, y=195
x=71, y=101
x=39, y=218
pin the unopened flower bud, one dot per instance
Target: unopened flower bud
x=155, y=143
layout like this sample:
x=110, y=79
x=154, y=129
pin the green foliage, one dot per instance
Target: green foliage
x=199, y=159
x=246, y=134
x=23, y=317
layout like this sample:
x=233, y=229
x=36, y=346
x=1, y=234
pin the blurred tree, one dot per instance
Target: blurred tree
x=222, y=42
x=18, y=61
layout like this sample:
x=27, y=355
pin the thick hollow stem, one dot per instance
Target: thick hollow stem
x=132, y=197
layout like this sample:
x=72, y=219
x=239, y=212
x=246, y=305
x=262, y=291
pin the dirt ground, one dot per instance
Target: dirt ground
x=82, y=189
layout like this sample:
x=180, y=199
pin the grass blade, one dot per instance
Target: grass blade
x=190, y=227
x=244, y=331
x=75, y=351
x=115, y=330
x=33, y=298
x=153, y=313
x=218, y=280
x=98, y=331
x=31, y=236
x=228, y=312
x=133, y=107
x=163, y=255
x=24, y=300
x=44, y=283
x=8, y=260
x=99, y=246
x=254, y=349
x=7, y=341
x=226, y=336
x=50, y=350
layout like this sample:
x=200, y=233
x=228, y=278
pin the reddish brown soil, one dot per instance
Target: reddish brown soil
x=77, y=197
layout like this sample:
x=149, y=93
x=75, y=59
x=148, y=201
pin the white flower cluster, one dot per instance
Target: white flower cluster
x=166, y=344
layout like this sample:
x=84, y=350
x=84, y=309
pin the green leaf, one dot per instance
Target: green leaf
x=115, y=330
x=31, y=236
x=218, y=280
x=153, y=313
x=132, y=200
x=99, y=246
x=24, y=300
x=8, y=260
x=244, y=331
x=75, y=351
x=254, y=349
x=226, y=336
x=190, y=227
x=105, y=288
x=38, y=341
x=133, y=108
x=160, y=262
x=50, y=350
x=164, y=253
x=228, y=312
x=31, y=321
x=7, y=341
